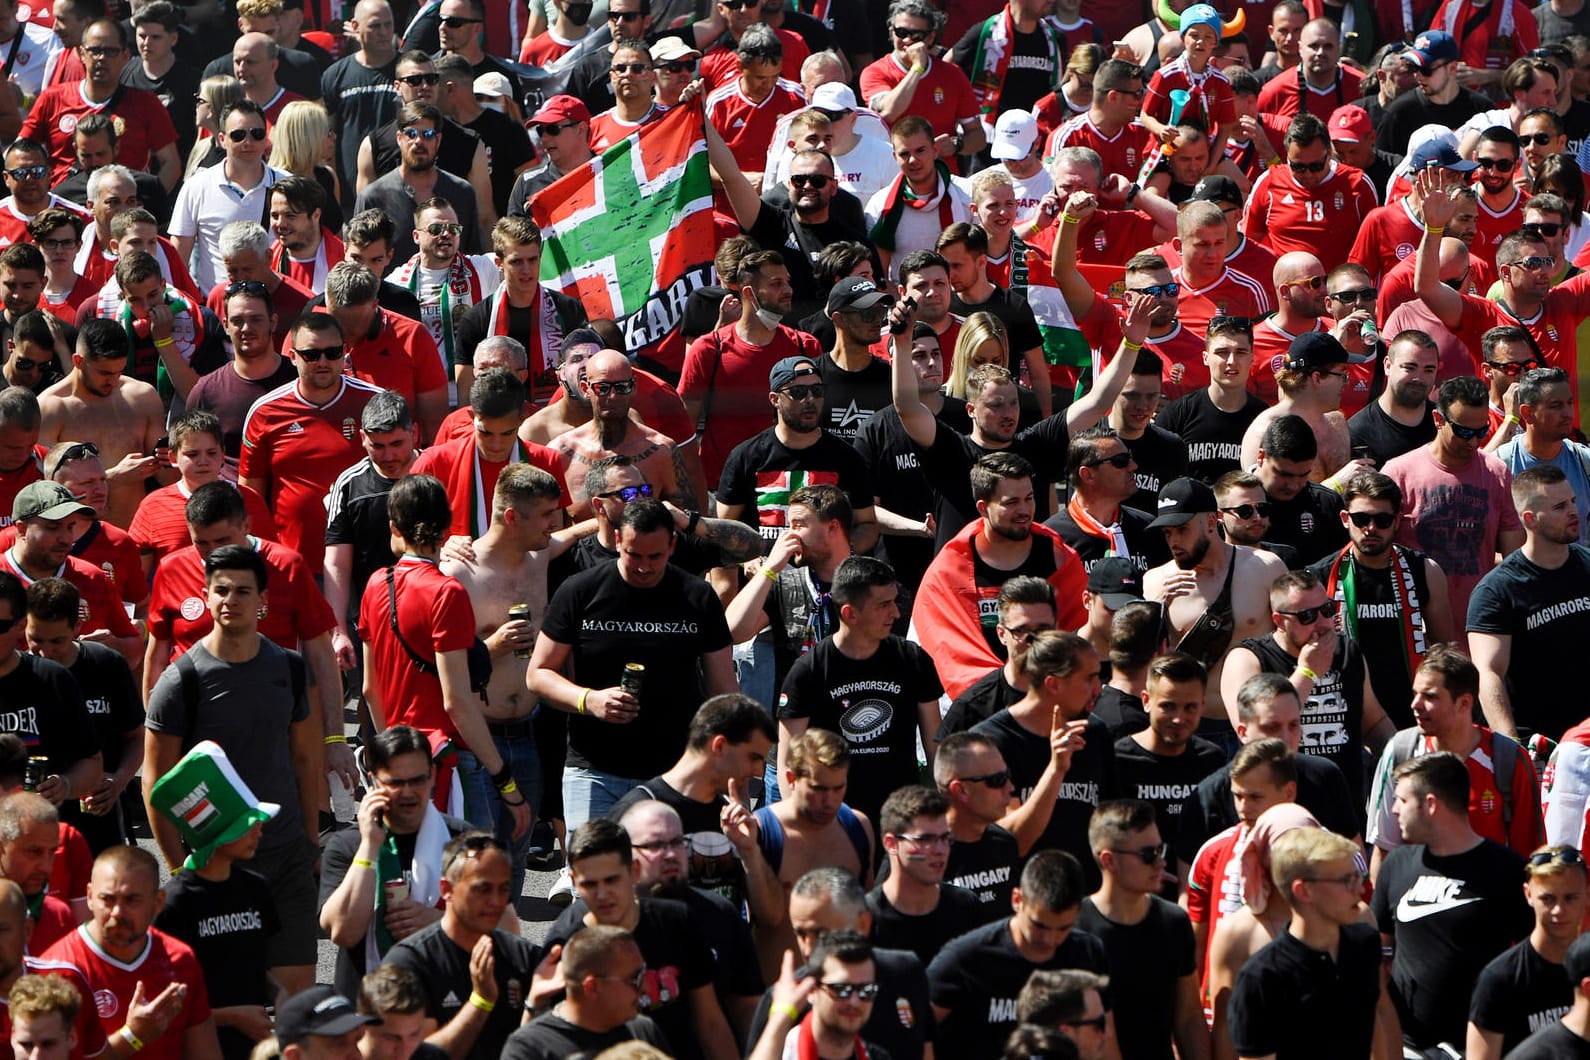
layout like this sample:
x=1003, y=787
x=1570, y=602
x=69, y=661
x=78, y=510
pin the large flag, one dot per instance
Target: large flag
x=630, y=232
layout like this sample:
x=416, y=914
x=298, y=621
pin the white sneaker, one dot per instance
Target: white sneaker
x=562, y=893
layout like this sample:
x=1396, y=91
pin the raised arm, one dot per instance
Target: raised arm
x=1077, y=292
x=921, y=426
x=1095, y=405
x=1438, y=206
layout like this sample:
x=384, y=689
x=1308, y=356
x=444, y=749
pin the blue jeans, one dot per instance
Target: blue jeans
x=590, y=793
x=483, y=807
x=753, y=667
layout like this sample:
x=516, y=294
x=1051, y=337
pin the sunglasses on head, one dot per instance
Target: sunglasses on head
x=815, y=181
x=77, y=450
x=628, y=493
x=1537, y=139
x=803, y=391
x=1380, y=520
x=1565, y=856
x=1121, y=461
x=621, y=386
x=1469, y=434
x=246, y=287
x=1308, y=167
x=1154, y=290
x=237, y=136
x=1501, y=165
x=1512, y=367
x=1310, y=615
x=846, y=991
x=418, y=79
x=1249, y=511
x=436, y=228
x=312, y=354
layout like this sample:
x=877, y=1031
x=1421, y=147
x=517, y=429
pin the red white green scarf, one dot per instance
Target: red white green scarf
x=995, y=43
x=1093, y=528
x=184, y=331
x=544, y=344
x=462, y=290
x=805, y=1041
x=902, y=198
x=1341, y=583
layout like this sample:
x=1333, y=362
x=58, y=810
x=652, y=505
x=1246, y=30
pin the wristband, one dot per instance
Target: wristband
x=1306, y=672
x=1131, y=347
x=162, y=344
x=695, y=521
x=510, y=788
x=480, y=1002
x=770, y=574
x=131, y=1039
x=335, y=737
x=1131, y=192
x=1070, y=218
x=583, y=693
x=1433, y=230
x=502, y=777
x=363, y=863
x=791, y=1011
x=918, y=69
x=1514, y=420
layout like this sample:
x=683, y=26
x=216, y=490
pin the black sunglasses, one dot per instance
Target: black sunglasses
x=804, y=391
x=636, y=69
x=993, y=780
x=1537, y=139
x=621, y=386
x=1381, y=520
x=1357, y=294
x=418, y=79
x=312, y=354
x=246, y=287
x=1121, y=461
x=1501, y=165
x=459, y=21
x=628, y=493
x=1154, y=290
x=625, y=16
x=237, y=136
x=1565, y=856
x=680, y=66
x=1248, y=511
x=1307, y=167
x=815, y=181
x=28, y=172
x=904, y=33
x=1468, y=434
x=1147, y=855
x=77, y=450
x=844, y=991
x=1310, y=615
x=1547, y=229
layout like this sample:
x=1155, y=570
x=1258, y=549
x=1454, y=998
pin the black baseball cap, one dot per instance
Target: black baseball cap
x=855, y=293
x=1182, y=501
x=1315, y=349
x=1115, y=579
x=1217, y=188
x=319, y=1011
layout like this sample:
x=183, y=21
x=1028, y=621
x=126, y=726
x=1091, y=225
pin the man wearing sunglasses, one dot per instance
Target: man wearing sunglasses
x=846, y=991
x=420, y=132
x=27, y=172
x=563, y=129
x=462, y=30
x=1303, y=308
x=608, y=385
x=1312, y=203
x=234, y=190
x=604, y=978
x=1439, y=97
x=984, y=855
x=460, y=153
x=701, y=543
x=1497, y=153
x=1097, y=521
x=446, y=281
x=910, y=81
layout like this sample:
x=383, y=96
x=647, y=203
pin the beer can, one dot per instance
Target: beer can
x=396, y=891
x=520, y=613
x=634, y=677
x=37, y=769
x=82, y=804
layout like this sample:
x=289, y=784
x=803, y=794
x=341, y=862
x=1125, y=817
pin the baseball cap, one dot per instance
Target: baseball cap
x=559, y=108
x=1350, y=124
x=319, y=1011
x=1115, y=580
x=671, y=49
x=208, y=802
x=1315, y=349
x=855, y=292
x=493, y=84
x=1014, y=134
x=1577, y=963
x=788, y=370
x=833, y=96
x=1182, y=501
x=1217, y=188
x=1442, y=154
x=1433, y=46
x=47, y=500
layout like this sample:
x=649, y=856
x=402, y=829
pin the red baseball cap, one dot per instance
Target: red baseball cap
x=560, y=108
x=1350, y=124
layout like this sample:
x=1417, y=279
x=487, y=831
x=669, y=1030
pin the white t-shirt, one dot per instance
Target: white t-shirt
x=207, y=203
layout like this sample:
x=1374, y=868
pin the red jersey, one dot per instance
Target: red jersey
x=1234, y=294
x=607, y=128
x=1554, y=327
x=164, y=960
x=470, y=480
x=100, y=607
x=55, y=922
x=1528, y=829
x=90, y=1035
x=1270, y=345
x=1495, y=226
x=747, y=127
x=14, y=223
x=1122, y=153
x=1389, y=234
x=1507, y=31
x=434, y=616
x=11, y=482
x=1285, y=216
x=1210, y=101
x=1182, y=353
x=1396, y=286
x=74, y=861
x=66, y=309
x=295, y=610
x=401, y=356
x=943, y=96
x=298, y=450
x=1288, y=94
x=543, y=50
x=108, y=548
x=273, y=109
x=1249, y=258
x=142, y=125
x=1107, y=237
x=721, y=63
x=160, y=525
x=1214, y=891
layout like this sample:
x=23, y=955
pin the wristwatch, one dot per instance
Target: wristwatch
x=959, y=139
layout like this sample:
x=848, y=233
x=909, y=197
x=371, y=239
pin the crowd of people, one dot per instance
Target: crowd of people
x=1088, y=572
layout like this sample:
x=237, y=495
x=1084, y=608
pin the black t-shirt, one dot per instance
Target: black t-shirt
x=507, y=150
x=1038, y=564
x=1161, y=458
x=990, y=868
x=778, y=227
x=761, y=472
x=551, y=1037
x=1090, y=781
x=1289, y=986
x=678, y=960
x=360, y=98
x=1163, y=780
x=872, y=703
x=1311, y=522
x=1553, y=1043
x=958, y=912
x=710, y=874
x=455, y=154
x=1449, y=916
x=1146, y=547
x=987, y=696
x=902, y=1016
x=1321, y=790
x=1519, y=993
x=692, y=554
x=1030, y=75
x=1333, y=714
x=1213, y=438
x=443, y=970
x=1121, y=711
x=228, y=923
x=948, y=465
x=114, y=709
x=1147, y=962
x=1012, y=310
x=177, y=91
x=356, y=515
x=1382, y=437
x=978, y=976
x=853, y=398
x=900, y=485
x=1547, y=615
x=1413, y=110
x=42, y=704
x=610, y=623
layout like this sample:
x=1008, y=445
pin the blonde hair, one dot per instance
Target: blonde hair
x=219, y=92
x=990, y=178
x=817, y=747
x=1554, y=867
x=979, y=328
x=298, y=140
x=259, y=8
x=1300, y=852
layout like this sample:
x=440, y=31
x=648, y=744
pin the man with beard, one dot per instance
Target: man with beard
x=1402, y=418
x=1498, y=153
x=846, y=973
x=1545, y=404
x=608, y=384
x=634, y=78
x=1301, y=308
x=446, y=282
x=1097, y=522
x=418, y=178
x=1394, y=598
x=1245, y=515
x=1213, y=592
x=858, y=380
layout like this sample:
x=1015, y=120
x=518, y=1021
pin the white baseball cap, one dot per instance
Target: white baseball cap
x=1014, y=134
x=833, y=95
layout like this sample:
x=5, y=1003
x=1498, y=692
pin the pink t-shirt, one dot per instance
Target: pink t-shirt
x=1417, y=316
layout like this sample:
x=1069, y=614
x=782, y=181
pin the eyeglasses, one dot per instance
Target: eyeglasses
x=28, y=172
x=678, y=842
x=846, y=991
x=402, y=783
x=237, y=136
x=1098, y=1023
x=1310, y=615
x=1350, y=880
x=1357, y=294
x=678, y=66
x=553, y=130
x=1501, y=165
x=935, y=839
x=1546, y=229
x=622, y=386
x=421, y=134
x=815, y=181
x=636, y=981
x=905, y=33
x=628, y=493
x=459, y=21
x=993, y=780
x=1249, y=511
x=630, y=68
x=804, y=391
x=1153, y=855
x=1381, y=520
x=1534, y=263
x=436, y=228
x=1313, y=283
x=1536, y=139
x=1154, y=290
x=101, y=51
x=1512, y=367
x=1308, y=167
x=1565, y=856
x=418, y=79
x=59, y=244
x=1468, y=434
x=1120, y=461
x=625, y=16
x=311, y=354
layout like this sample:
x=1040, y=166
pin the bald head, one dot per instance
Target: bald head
x=1454, y=259
x=1298, y=265
x=648, y=812
x=368, y=9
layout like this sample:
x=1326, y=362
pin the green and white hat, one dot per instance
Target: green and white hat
x=208, y=802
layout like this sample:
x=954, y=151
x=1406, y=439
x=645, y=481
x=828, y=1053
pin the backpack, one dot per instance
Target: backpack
x=188, y=675
x=1504, y=762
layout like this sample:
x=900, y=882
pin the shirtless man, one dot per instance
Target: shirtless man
x=120, y=415
x=609, y=386
x=1311, y=382
x=507, y=566
x=817, y=828
x=1215, y=594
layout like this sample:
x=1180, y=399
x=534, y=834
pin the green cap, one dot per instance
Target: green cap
x=210, y=805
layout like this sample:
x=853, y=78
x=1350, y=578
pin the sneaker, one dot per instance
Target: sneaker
x=543, y=855
x=562, y=894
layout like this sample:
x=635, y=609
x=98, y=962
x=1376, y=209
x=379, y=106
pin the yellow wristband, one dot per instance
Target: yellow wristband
x=363, y=863
x=1070, y=218
x=1514, y=420
x=1433, y=230
x=335, y=737
x=1306, y=672
x=791, y=1011
x=770, y=574
x=918, y=69
x=508, y=788
x=1131, y=347
x=132, y=1039
x=583, y=693
x=480, y=1002
x=162, y=344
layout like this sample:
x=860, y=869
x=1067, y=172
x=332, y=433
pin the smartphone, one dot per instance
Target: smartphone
x=897, y=327
x=163, y=442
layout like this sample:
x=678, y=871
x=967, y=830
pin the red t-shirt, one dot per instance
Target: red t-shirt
x=943, y=96
x=1285, y=216
x=1214, y=891
x=1250, y=258
x=1280, y=98
x=11, y=482
x=300, y=449
x=607, y=128
x=721, y=64
x=1122, y=153
x=1210, y=101
x=289, y=300
x=14, y=223
x=1396, y=286
x=1182, y=353
x=74, y=861
x=108, y=548
x=95, y=265
x=90, y=1035
x=729, y=375
x=402, y=356
x=101, y=604
x=1554, y=328
x=1270, y=346
x=56, y=922
x=748, y=127
x=142, y=125
x=543, y=50
x=1107, y=237
x=164, y=960
x=160, y=525
x=66, y=309
x=1493, y=227
x=1233, y=294
x=454, y=463
x=1389, y=234
x=434, y=616
x=1483, y=46
x=295, y=610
